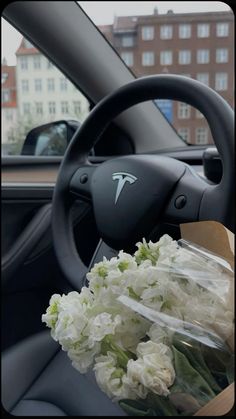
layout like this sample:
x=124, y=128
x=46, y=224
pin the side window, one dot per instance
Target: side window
x=197, y=43
x=35, y=93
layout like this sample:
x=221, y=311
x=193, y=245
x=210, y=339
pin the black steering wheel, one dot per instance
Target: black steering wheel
x=131, y=194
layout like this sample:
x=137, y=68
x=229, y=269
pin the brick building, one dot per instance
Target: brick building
x=9, y=102
x=197, y=45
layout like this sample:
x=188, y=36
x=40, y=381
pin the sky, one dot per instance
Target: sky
x=103, y=12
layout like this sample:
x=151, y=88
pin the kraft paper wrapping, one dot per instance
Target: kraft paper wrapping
x=217, y=239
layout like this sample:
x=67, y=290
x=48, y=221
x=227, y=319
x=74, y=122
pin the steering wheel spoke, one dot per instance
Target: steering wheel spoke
x=81, y=181
x=185, y=203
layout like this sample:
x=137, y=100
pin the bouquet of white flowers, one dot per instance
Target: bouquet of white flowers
x=153, y=326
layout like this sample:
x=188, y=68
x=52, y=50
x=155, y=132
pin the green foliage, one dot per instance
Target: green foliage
x=18, y=133
x=136, y=408
x=192, y=350
x=189, y=379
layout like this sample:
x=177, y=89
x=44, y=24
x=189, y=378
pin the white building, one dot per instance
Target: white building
x=43, y=93
x=9, y=104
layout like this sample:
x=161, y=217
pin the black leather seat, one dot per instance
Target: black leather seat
x=39, y=380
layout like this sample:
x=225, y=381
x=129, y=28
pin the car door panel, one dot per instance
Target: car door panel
x=30, y=272
x=24, y=243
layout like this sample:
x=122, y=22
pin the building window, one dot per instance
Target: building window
x=147, y=33
x=9, y=115
x=203, y=56
x=183, y=110
x=128, y=58
x=24, y=63
x=26, y=108
x=184, y=134
x=184, y=57
x=77, y=107
x=25, y=85
x=5, y=96
x=222, y=55
x=37, y=62
x=201, y=135
x=203, y=78
x=221, y=81
x=63, y=84
x=64, y=107
x=199, y=115
x=52, y=108
x=38, y=85
x=203, y=30
x=147, y=58
x=127, y=41
x=222, y=29
x=39, y=108
x=184, y=31
x=4, y=77
x=51, y=85
x=166, y=32
x=166, y=57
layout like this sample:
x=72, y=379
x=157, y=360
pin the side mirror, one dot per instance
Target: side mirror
x=49, y=139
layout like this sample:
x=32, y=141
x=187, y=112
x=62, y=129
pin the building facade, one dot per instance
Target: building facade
x=9, y=102
x=197, y=45
x=43, y=93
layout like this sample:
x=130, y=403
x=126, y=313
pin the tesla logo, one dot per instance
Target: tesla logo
x=122, y=179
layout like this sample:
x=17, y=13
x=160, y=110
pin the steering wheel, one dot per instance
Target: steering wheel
x=131, y=194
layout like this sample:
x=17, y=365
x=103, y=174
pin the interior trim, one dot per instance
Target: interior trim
x=28, y=185
x=24, y=192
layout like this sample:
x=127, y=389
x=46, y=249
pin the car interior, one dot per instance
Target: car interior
x=59, y=215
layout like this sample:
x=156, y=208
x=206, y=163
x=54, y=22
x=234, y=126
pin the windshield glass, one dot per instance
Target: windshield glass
x=194, y=39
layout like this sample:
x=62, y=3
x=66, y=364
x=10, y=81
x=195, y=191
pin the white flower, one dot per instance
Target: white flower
x=103, y=324
x=82, y=357
x=69, y=328
x=131, y=330
x=153, y=251
x=126, y=261
x=51, y=315
x=153, y=368
x=111, y=379
x=102, y=269
x=70, y=317
x=162, y=276
x=159, y=334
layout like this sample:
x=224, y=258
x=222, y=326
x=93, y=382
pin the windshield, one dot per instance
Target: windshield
x=194, y=39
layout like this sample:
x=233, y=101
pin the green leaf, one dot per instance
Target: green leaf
x=221, y=379
x=123, y=357
x=192, y=350
x=136, y=408
x=184, y=403
x=230, y=370
x=221, y=364
x=161, y=405
x=190, y=380
x=216, y=359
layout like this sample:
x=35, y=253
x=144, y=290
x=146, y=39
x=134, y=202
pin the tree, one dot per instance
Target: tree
x=17, y=134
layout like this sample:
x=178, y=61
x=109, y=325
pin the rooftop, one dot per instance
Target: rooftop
x=123, y=23
x=26, y=48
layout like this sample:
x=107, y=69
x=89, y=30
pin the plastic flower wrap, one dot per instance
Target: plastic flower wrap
x=155, y=327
